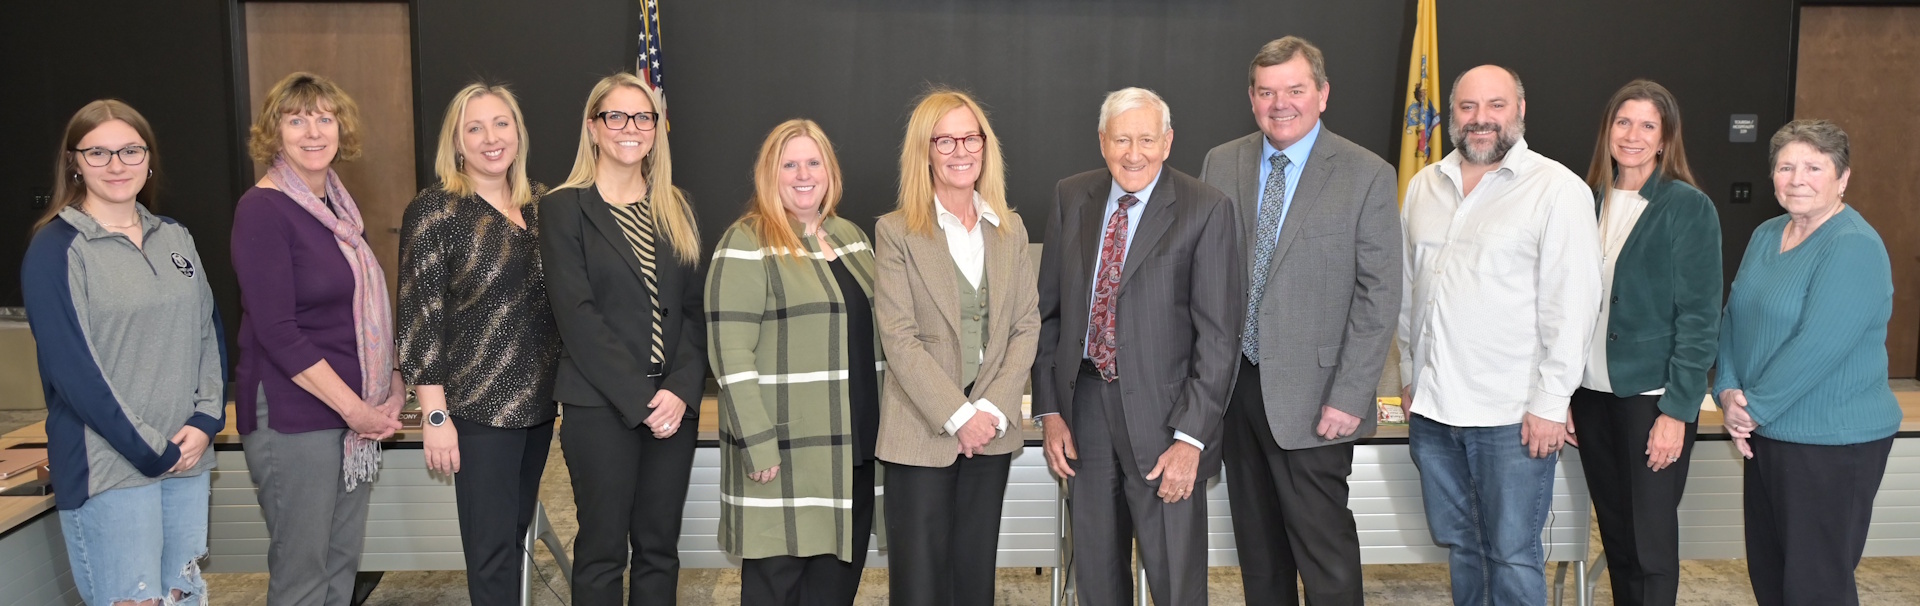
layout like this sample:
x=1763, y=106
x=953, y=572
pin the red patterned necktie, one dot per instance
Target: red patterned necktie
x=1102, y=344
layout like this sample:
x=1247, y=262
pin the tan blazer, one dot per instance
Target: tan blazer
x=917, y=306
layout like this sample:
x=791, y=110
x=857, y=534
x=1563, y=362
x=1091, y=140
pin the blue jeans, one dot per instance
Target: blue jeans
x=140, y=543
x=1487, y=503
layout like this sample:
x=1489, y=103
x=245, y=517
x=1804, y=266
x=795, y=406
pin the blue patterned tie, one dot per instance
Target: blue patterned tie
x=1265, y=237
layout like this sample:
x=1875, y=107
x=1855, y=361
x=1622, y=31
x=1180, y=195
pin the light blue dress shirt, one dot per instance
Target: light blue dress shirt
x=1297, y=155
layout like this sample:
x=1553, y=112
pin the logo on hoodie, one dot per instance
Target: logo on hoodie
x=181, y=263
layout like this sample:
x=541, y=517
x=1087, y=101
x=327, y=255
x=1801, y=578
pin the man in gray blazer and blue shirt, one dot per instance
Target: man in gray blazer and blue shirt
x=1141, y=287
x=1322, y=241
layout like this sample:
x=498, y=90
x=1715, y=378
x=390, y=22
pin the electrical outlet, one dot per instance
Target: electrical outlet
x=1742, y=193
x=41, y=198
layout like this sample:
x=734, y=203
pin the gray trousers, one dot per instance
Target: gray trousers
x=315, y=527
x=1113, y=506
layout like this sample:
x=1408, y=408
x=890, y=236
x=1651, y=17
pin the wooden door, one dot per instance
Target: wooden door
x=1860, y=67
x=366, y=47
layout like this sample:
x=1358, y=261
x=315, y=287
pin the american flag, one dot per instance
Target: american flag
x=648, y=63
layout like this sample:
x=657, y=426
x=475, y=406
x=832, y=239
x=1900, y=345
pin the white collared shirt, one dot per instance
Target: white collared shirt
x=969, y=247
x=1502, y=288
x=1617, y=218
x=969, y=250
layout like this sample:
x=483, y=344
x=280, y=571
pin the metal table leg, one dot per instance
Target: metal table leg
x=1559, y=581
x=1141, y=597
x=1585, y=591
x=1063, y=590
x=540, y=531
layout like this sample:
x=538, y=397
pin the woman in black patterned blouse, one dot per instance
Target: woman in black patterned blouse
x=476, y=334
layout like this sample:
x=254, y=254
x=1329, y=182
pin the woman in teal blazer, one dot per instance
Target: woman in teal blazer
x=1658, y=332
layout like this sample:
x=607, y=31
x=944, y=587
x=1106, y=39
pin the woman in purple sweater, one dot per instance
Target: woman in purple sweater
x=316, y=385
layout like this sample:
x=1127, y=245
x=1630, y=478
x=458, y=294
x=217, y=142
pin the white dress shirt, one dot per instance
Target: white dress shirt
x=1617, y=218
x=1502, y=287
x=969, y=250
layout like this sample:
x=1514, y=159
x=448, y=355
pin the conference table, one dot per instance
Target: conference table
x=412, y=526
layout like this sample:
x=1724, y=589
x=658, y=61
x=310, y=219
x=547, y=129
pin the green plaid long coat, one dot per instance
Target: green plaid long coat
x=777, y=339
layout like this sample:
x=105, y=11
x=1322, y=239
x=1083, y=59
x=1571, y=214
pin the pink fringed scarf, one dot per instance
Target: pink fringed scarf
x=372, y=316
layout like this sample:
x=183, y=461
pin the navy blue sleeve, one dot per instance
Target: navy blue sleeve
x=68, y=371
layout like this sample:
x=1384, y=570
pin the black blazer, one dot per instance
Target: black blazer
x=605, y=317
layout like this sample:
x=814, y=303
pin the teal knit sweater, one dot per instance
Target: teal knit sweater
x=1805, y=332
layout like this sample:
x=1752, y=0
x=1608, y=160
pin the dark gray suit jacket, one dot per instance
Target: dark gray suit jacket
x=1332, y=298
x=1179, y=307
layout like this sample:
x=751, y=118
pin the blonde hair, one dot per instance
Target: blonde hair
x=671, y=210
x=68, y=187
x=447, y=162
x=916, y=201
x=302, y=93
x=765, y=214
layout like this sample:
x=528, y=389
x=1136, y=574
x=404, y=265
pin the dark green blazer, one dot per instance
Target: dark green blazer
x=1664, y=327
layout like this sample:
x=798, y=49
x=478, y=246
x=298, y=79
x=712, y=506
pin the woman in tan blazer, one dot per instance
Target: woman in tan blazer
x=959, y=320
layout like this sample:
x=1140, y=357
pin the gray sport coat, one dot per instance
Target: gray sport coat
x=1332, y=298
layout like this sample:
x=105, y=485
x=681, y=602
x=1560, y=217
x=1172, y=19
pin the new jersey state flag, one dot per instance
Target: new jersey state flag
x=1420, y=121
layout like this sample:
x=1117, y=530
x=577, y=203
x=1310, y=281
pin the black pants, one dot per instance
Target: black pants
x=821, y=580
x=631, y=491
x=1290, y=514
x=943, y=529
x=494, y=493
x=1636, y=507
x=1808, y=508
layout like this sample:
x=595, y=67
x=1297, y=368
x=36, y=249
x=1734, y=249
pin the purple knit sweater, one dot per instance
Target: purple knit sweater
x=296, y=301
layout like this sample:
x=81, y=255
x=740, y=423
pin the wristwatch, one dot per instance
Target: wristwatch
x=437, y=418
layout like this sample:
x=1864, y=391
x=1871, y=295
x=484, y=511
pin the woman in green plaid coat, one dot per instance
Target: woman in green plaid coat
x=793, y=344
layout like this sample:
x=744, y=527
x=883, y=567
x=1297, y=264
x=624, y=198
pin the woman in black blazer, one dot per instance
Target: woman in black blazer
x=624, y=276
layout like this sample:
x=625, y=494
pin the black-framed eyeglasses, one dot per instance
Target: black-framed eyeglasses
x=973, y=143
x=131, y=155
x=616, y=120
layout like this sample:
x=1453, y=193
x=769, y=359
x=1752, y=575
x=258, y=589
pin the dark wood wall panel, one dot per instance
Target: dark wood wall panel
x=1860, y=67
x=368, y=49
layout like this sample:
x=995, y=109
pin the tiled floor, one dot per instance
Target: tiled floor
x=1883, y=581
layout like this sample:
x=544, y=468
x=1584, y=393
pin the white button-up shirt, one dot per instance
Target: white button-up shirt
x=969, y=250
x=1501, y=290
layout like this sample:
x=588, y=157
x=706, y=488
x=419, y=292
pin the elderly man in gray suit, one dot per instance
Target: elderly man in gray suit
x=1322, y=241
x=1141, y=287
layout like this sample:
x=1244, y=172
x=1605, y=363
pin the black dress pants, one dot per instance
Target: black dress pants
x=1636, y=507
x=1290, y=514
x=820, y=580
x=494, y=492
x=631, y=492
x=1808, y=508
x=943, y=529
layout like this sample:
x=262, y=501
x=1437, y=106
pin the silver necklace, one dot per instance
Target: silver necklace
x=136, y=220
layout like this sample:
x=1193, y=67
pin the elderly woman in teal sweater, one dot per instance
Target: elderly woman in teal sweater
x=1803, y=375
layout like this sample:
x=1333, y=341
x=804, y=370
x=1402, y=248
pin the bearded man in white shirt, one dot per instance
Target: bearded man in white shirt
x=1501, y=290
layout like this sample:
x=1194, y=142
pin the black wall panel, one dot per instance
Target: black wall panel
x=735, y=68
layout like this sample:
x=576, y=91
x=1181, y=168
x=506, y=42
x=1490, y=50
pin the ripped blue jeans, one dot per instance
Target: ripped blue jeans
x=140, y=543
